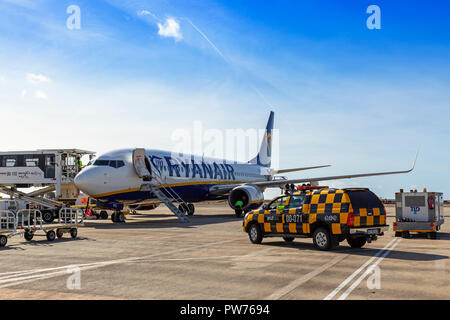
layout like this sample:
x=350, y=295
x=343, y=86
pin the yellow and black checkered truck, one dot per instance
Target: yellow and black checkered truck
x=329, y=216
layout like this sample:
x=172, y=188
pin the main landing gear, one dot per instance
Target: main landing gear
x=188, y=208
x=118, y=216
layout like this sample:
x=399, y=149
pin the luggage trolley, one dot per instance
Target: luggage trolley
x=69, y=220
x=8, y=226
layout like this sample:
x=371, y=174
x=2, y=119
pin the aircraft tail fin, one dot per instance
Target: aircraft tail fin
x=264, y=155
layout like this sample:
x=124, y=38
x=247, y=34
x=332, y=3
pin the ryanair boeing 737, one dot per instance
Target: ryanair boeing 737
x=131, y=176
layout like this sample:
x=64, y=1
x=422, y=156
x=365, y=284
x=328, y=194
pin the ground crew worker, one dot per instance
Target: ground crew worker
x=79, y=164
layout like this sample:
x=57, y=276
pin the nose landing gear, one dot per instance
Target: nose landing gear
x=188, y=209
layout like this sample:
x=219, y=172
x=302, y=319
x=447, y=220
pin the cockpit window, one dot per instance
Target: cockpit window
x=101, y=163
x=109, y=163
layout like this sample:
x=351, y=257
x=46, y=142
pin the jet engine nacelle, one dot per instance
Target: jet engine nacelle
x=251, y=197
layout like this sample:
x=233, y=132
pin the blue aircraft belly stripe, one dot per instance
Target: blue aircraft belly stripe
x=191, y=193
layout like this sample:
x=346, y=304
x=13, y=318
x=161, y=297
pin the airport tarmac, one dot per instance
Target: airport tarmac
x=153, y=256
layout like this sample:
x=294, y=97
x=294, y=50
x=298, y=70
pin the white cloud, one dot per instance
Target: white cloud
x=144, y=13
x=147, y=13
x=2, y=78
x=170, y=29
x=37, y=78
x=40, y=95
x=24, y=93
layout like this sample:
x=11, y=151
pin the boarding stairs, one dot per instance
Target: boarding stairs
x=161, y=190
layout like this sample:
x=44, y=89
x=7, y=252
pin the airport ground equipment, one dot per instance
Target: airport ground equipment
x=328, y=216
x=164, y=192
x=166, y=200
x=51, y=172
x=421, y=212
x=27, y=222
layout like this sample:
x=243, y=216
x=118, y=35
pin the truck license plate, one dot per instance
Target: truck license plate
x=372, y=231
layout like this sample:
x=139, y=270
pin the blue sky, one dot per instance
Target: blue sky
x=361, y=100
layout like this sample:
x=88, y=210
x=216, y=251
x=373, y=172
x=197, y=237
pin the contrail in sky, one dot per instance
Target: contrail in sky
x=209, y=41
x=145, y=12
x=226, y=60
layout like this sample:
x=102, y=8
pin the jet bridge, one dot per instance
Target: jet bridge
x=49, y=174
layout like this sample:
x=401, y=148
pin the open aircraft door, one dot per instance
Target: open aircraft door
x=142, y=164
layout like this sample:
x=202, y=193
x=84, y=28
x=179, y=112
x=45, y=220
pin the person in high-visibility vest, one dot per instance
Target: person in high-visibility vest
x=79, y=163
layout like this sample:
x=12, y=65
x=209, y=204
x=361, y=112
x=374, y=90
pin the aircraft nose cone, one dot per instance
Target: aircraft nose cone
x=81, y=181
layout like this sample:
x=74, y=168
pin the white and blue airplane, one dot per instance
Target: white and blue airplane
x=118, y=178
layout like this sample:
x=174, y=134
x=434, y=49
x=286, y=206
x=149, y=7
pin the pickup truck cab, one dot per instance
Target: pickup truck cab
x=328, y=216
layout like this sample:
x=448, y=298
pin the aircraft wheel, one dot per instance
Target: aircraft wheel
x=191, y=209
x=183, y=208
x=51, y=235
x=120, y=217
x=3, y=241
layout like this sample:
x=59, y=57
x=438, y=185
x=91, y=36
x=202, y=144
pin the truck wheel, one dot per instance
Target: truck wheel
x=73, y=233
x=28, y=236
x=406, y=235
x=356, y=242
x=238, y=213
x=431, y=235
x=48, y=217
x=322, y=239
x=288, y=239
x=3, y=241
x=255, y=233
x=103, y=214
x=51, y=235
x=59, y=234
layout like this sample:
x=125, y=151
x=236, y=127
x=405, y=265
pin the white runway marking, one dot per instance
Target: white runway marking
x=364, y=275
x=354, y=274
x=298, y=282
x=19, y=278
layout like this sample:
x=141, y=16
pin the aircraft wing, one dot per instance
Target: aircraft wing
x=279, y=183
x=224, y=189
x=297, y=169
